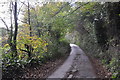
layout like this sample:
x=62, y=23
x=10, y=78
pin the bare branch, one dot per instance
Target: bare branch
x=22, y=21
x=20, y=8
x=27, y=5
x=61, y=8
x=5, y=24
x=76, y=9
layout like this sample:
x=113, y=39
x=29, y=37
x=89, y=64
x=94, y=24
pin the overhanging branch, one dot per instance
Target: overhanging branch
x=61, y=9
x=76, y=9
x=5, y=24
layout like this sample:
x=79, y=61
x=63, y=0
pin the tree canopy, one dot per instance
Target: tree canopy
x=47, y=29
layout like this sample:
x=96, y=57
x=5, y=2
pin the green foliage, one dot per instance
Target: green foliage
x=47, y=41
x=53, y=29
x=38, y=45
x=90, y=37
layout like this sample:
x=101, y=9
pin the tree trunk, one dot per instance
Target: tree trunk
x=101, y=35
x=13, y=47
x=29, y=19
x=113, y=13
x=29, y=49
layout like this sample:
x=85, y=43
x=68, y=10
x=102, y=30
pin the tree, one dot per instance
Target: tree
x=13, y=42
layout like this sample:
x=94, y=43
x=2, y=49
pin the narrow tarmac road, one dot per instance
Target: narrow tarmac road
x=77, y=65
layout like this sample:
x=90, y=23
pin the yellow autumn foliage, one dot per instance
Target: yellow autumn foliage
x=38, y=44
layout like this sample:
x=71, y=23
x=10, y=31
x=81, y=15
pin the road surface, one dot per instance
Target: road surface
x=77, y=65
